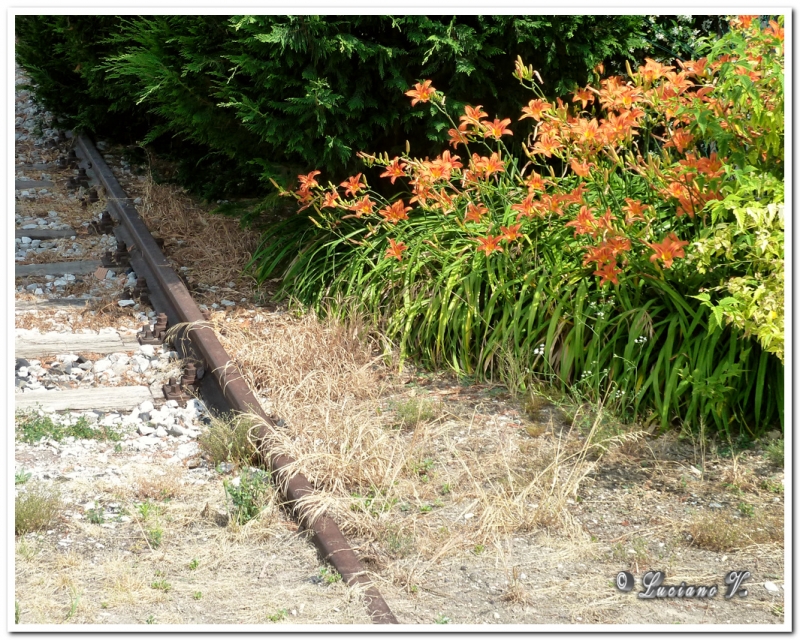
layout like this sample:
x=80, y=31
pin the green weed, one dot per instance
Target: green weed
x=249, y=496
x=35, y=508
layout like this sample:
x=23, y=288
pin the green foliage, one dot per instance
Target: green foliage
x=775, y=452
x=329, y=576
x=31, y=427
x=21, y=476
x=247, y=97
x=249, y=494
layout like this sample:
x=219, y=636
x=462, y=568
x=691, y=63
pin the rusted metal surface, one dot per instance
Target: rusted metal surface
x=223, y=385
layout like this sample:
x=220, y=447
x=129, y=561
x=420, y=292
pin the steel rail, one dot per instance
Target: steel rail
x=223, y=385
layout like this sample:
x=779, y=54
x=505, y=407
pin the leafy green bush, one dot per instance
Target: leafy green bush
x=495, y=260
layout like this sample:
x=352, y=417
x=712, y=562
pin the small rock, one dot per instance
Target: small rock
x=188, y=450
x=161, y=432
x=126, y=303
x=771, y=587
x=228, y=303
x=148, y=350
x=176, y=430
x=715, y=505
x=144, y=430
x=102, y=365
x=146, y=406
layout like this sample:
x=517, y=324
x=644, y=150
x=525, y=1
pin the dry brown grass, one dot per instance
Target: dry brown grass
x=214, y=248
x=414, y=477
x=162, y=486
x=725, y=532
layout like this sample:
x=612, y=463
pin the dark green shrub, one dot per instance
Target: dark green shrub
x=268, y=96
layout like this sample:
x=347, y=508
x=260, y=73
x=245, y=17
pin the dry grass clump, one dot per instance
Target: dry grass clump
x=157, y=486
x=35, y=507
x=228, y=440
x=214, y=248
x=715, y=533
x=305, y=359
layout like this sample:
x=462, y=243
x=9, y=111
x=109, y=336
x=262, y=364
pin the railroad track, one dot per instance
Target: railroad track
x=208, y=371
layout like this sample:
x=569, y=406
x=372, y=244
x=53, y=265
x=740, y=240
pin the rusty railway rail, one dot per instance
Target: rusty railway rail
x=218, y=379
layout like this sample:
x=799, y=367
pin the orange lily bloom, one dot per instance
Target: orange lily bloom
x=394, y=170
x=353, y=185
x=456, y=137
x=633, y=210
x=330, y=199
x=535, y=109
x=421, y=92
x=743, y=21
x=580, y=168
x=472, y=115
x=585, y=96
x=489, y=244
x=608, y=273
x=535, y=182
x=307, y=181
x=546, y=145
x=396, y=249
x=363, y=206
x=497, y=129
x=680, y=139
x=395, y=212
x=585, y=222
x=526, y=207
x=509, y=234
x=653, y=70
x=775, y=29
x=667, y=250
x=475, y=212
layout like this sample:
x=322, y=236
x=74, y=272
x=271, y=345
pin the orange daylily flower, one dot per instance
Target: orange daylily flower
x=456, y=137
x=421, y=92
x=353, y=185
x=395, y=212
x=396, y=249
x=394, y=170
x=653, y=70
x=362, y=207
x=509, y=234
x=695, y=68
x=497, y=129
x=667, y=250
x=330, y=199
x=633, y=210
x=580, y=168
x=585, y=96
x=475, y=212
x=546, y=145
x=535, y=109
x=535, y=182
x=447, y=163
x=307, y=181
x=586, y=131
x=775, y=29
x=680, y=139
x=472, y=116
x=526, y=207
x=743, y=21
x=489, y=244
x=584, y=223
x=608, y=273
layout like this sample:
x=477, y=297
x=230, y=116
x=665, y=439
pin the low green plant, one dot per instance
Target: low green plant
x=161, y=585
x=775, y=452
x=31, y=427
x=35, y=507
x=96, y=515
x=151, y=619
x=74, y=601
x=747, y=510
x=442, y=619
x=329, y=576
x=194, y=564
x=279, y=615
x=197, y=595
x=16, y=612
x=154, y=536
x=415, y=411
x=21, y=476
x=248, y=496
